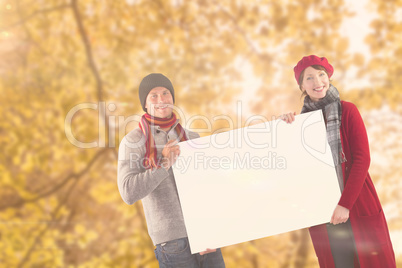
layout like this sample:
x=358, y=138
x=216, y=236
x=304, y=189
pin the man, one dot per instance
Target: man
x=146, y=155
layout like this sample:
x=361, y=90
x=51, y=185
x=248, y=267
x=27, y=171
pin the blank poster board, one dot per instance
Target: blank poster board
x=256, y=181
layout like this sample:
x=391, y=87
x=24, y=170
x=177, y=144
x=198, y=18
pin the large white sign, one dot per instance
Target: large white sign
x=255, y=182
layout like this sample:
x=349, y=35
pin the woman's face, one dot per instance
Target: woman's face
x=315, y=83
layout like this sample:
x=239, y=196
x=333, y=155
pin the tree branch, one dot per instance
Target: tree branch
x=34, y=14
x=88, y=49
x=31, y=248
x=43, y=232
x=75, y=176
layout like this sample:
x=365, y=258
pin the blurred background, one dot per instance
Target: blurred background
x=69, y=76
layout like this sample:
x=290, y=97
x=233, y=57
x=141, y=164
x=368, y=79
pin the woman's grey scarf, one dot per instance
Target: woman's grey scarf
x=332, y=111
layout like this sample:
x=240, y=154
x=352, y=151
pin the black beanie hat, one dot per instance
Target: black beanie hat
x=151, y=81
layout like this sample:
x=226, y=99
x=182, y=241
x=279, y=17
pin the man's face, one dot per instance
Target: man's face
x=159, y=102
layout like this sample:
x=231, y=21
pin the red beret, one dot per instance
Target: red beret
x=312, y=60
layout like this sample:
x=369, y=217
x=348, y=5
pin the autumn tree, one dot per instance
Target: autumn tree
x=69, y=80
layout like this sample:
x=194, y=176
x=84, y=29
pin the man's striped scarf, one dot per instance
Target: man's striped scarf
x=150, y=159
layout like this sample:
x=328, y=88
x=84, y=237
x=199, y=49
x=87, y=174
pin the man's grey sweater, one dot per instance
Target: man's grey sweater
x=156, y=187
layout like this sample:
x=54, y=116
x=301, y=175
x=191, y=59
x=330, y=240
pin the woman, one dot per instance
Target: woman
x=357, y=235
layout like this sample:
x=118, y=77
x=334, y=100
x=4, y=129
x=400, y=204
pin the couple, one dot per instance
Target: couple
x=357, y=235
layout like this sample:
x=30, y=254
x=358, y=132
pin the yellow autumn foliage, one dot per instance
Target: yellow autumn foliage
x=69, y=76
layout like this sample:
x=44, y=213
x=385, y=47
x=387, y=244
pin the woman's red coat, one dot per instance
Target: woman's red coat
x=369, y=226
